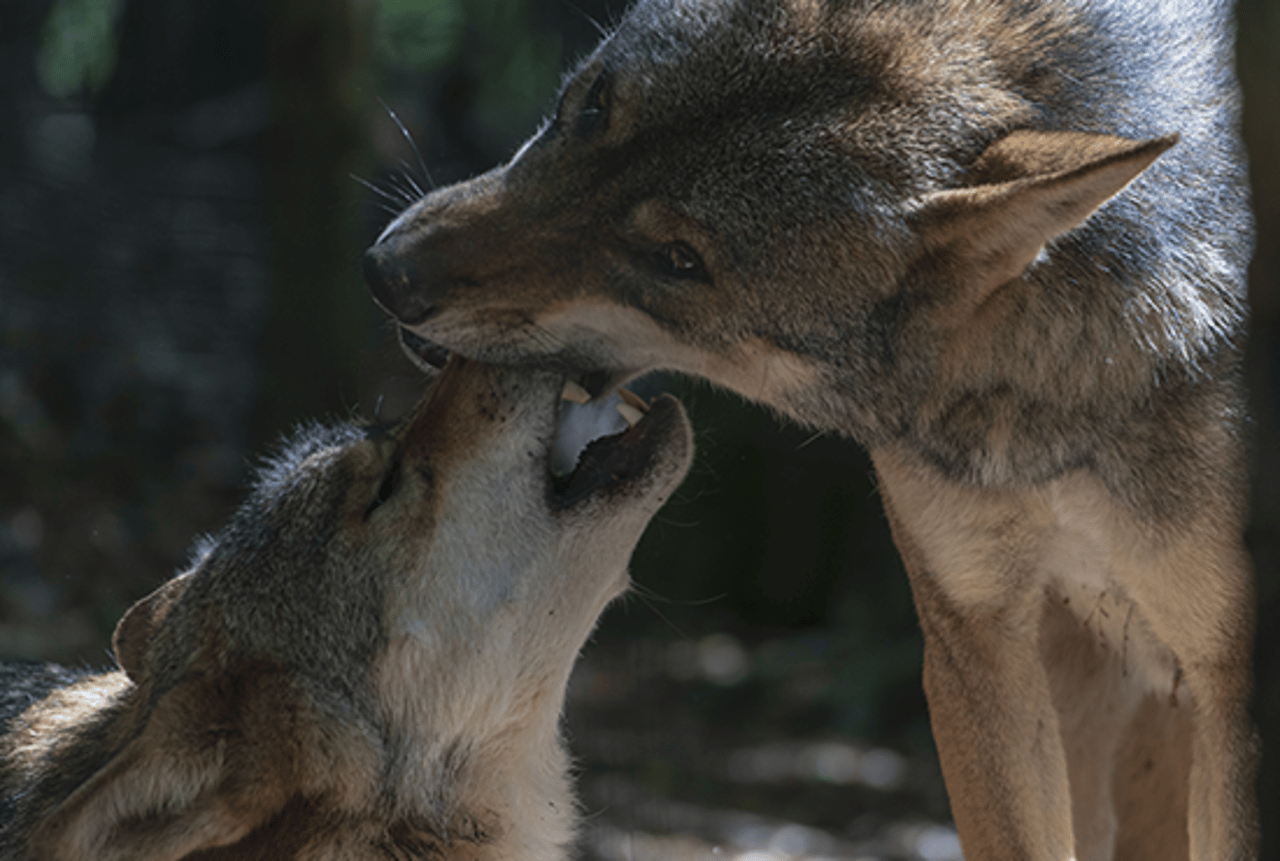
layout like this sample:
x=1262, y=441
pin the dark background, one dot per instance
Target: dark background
x=185, y=190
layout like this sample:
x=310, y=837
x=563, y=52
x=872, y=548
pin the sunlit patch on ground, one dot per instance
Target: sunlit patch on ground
x=664, y=830
x=667, y=771
x=829, y=761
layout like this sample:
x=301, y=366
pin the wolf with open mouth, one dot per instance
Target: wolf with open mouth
x=1000, y=243
x=368, y=663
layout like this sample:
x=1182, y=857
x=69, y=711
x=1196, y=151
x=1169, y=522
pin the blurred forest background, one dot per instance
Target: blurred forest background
x=186, y=187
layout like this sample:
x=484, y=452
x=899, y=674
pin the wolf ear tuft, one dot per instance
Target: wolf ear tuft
x=1028, y=154
x=138, y=626
x=155, y=799
x=202, y=764
x=1026, y=189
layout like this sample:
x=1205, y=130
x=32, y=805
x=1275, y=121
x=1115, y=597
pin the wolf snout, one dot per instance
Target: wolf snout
x=396, y=285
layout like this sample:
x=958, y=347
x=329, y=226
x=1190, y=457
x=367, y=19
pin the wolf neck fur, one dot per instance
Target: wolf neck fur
x=490, y=786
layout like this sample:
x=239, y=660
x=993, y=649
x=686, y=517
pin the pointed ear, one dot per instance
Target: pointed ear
x=1031, y=187
x=159, y=796
x=137, y=627
x=197, y=766
x=107, y=819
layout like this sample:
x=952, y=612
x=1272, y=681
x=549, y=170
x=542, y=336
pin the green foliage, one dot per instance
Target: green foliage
x=504, y=48
x=420, y=34
x=78, y=48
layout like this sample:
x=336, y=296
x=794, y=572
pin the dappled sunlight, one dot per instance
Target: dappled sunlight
x=682, y=755
x=734, y=836
x=831, y=761
x=719, y=658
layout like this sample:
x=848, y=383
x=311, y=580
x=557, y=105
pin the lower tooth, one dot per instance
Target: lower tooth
x=632, y=399
x=630, y=413
x=572, y=391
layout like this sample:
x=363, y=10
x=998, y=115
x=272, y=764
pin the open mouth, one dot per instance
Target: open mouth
x=603, y=441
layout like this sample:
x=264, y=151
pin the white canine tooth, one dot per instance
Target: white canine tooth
x=630, y=413
x=572, y=391
x=633, y=399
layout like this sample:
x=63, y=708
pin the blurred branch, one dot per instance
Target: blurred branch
x=1259, y=67
x=318, y=68
x=78, y=47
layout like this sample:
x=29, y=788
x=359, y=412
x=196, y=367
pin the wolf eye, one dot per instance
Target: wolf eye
x=681, y=261
x=390, y=480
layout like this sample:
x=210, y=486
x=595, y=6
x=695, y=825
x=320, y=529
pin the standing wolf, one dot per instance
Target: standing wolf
x=368, y=663
x=1000, y=243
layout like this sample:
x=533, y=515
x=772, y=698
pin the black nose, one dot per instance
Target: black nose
x=392, y=282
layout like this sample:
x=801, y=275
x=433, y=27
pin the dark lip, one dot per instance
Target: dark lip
x=427, y=354
x=431, y=357
x=611, y=464
x=607, y=465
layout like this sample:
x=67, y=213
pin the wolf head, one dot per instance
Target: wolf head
x=381, y=638
x=840, y=208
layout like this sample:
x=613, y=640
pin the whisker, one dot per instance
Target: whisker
x=544, y=338
x=678, y=524
x=408, y=190
x=407, y=176
x=399, y=198
x=422, y=164
x=372, y=186
x=811, y=440
x=650, y=594
x=634, y=594
x=392, y=204
x=600, y=28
